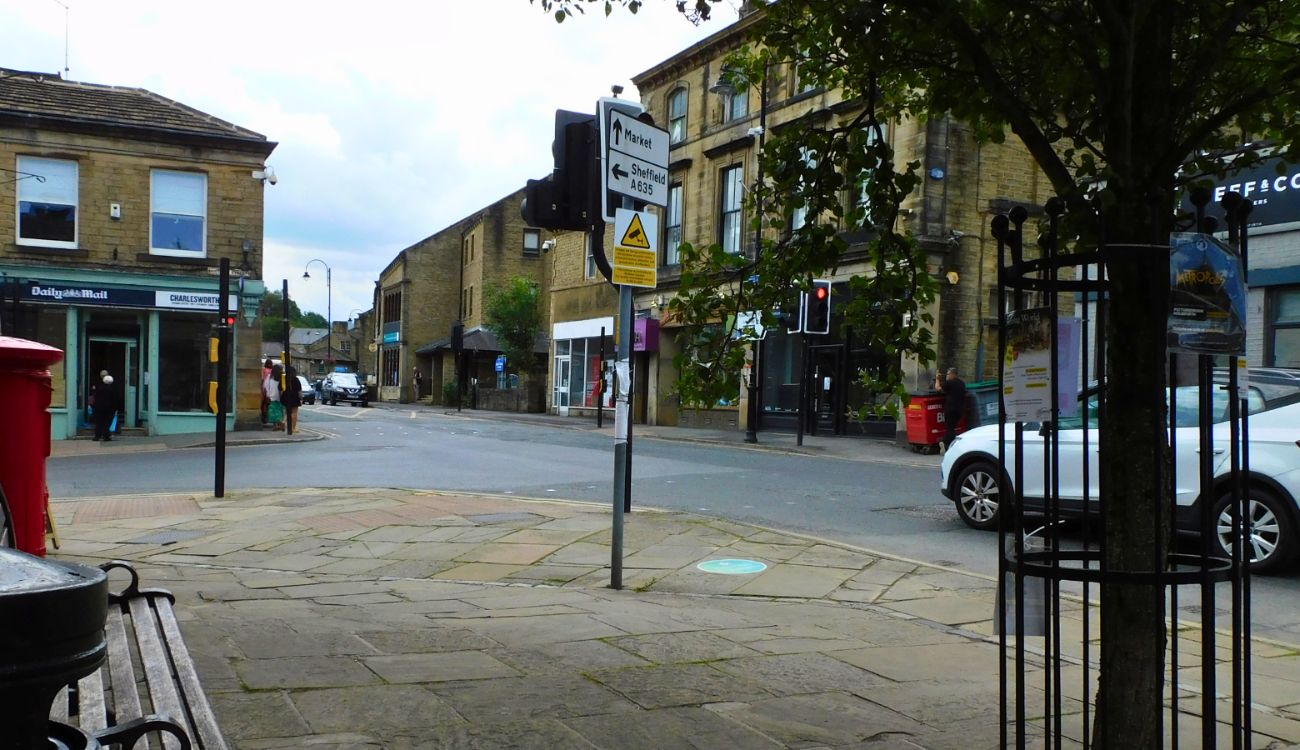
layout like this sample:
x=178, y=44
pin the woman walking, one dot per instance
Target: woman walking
x=291, y=399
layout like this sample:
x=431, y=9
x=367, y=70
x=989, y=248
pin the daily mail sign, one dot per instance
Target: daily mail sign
x=634, y=155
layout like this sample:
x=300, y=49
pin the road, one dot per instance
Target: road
x=895, y=509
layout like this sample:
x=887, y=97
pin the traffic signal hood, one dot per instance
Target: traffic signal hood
x=817, y=308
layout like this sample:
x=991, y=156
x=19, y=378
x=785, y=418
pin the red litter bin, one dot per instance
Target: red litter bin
x=925, y=421
x=25, y=435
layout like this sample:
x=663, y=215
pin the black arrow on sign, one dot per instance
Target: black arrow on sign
x=617, y=131
x=618, y=172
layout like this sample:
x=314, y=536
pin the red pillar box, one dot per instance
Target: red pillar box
x=25, y=435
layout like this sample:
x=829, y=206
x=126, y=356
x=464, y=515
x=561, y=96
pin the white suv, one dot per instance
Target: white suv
x=969, y=475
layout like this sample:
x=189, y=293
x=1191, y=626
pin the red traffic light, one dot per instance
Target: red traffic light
x=230, y=320
x=820, y=292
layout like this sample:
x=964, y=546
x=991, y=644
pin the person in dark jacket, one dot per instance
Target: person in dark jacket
x=954, y=403
x=291, y=398
x=105, y=408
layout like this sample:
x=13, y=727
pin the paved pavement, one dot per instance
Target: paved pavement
x=84, y=446
x=393, y=618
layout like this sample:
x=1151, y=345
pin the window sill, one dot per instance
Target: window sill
x=176, y=259
x=50, y=252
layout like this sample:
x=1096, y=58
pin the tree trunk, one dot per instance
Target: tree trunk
x=1133, y=492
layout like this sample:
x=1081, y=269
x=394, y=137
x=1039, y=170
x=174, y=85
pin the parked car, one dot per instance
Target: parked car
x=308, y=392
x=969, y=475
x=343, y=386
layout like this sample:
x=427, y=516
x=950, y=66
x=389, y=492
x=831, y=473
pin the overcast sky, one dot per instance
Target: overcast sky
x=395, y=118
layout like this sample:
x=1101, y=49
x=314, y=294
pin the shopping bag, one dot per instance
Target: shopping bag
x=275, y=412
x=112, y=428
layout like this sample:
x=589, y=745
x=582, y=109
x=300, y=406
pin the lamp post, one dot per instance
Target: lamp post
x=329, y=309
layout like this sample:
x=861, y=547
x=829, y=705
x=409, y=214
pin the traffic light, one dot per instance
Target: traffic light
x=568, y=199
x=817, y=308
x=790, y=315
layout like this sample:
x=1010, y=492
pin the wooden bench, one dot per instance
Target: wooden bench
x=167, y=706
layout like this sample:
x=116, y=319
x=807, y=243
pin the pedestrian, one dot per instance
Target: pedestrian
x=416, y=385
x=954, y=404
x=266, y=373
x=105, y=409
x=274, y=409
x=291, y=399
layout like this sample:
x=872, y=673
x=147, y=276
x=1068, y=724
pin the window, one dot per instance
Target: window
x=183, y=369
x=179, y=213
x=469, y=310
x=677, y=116
x=532, y=243
x=392, y=312
x=591, y=259
x=799, y=215
x=673, y=225
x=47, y=202
x=862, y=198
x=737, y=105
x=730, y=190
x=1284, y=327
x=390, y=364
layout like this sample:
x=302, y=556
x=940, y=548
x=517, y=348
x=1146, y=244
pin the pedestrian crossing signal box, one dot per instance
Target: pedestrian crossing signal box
x=817, y=308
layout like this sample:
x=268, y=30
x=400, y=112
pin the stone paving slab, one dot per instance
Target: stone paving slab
x=394, y=619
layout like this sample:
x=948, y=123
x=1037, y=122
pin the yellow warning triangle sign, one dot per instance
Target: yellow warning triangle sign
x=635, y=235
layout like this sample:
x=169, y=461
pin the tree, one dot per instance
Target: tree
x=1120, y=105
x=272, y=314
x=513, y=313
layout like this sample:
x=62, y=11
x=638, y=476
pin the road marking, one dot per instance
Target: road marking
x=413, y=415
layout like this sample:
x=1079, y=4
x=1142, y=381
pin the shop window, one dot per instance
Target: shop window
x=1284, y=327
x=532, y=243
x=391, y=366
x=673, y=225
x=578, y=371
x=677, y=116
x=47, y=202
x=731, y=192
x=179, y=211
x=183, y=369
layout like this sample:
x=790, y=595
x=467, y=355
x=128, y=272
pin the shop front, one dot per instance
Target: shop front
x=580, y=356
x=149, y=332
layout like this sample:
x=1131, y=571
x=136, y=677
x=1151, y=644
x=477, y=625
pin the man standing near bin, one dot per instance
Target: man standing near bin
x=954, y=403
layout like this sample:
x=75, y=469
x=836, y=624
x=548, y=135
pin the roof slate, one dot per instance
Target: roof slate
x=26, y=94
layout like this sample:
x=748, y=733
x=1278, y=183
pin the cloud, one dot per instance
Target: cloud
x=394, y=119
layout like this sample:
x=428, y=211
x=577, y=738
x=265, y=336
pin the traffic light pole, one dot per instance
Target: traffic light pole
x=223, y=375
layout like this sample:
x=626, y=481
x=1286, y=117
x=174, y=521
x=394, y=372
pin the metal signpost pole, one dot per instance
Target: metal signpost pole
x=621, y=430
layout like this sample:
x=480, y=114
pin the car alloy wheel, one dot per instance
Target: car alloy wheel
x=978, y=496
x=1270, y=534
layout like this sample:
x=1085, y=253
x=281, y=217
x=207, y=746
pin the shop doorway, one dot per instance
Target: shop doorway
x=119, y=357
x=826, y=389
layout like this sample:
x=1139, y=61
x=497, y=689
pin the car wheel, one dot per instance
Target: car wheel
x=977, y=495
x=1272, y=536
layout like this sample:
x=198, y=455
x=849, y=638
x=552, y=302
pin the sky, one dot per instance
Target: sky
x=394, y=118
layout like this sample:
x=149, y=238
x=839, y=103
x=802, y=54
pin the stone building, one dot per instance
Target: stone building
x=714, y=141
x=116, y=205
x=439, y=281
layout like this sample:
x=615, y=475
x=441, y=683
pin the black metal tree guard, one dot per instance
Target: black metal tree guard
x=1066, y=567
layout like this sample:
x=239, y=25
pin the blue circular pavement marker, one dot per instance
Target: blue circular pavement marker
x=732, y=567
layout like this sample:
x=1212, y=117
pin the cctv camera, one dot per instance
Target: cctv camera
x=616, y=89
x=271, y=178
x=548, y=246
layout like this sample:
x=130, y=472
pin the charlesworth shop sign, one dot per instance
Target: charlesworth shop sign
x=78, y=294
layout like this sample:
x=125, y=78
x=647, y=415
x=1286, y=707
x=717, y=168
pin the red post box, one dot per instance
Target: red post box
x=25, y=435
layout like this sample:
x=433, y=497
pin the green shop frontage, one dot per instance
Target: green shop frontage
x=149, y=331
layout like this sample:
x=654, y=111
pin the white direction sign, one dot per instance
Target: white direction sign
x=634, y=156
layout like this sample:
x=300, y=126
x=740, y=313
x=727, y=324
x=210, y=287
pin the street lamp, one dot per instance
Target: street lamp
x=329, y=310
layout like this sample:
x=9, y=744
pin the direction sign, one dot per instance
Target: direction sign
x=634, y=156
x=635, y=262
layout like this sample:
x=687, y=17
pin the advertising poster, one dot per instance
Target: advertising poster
x=1207, y=301
x=1027, y=375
